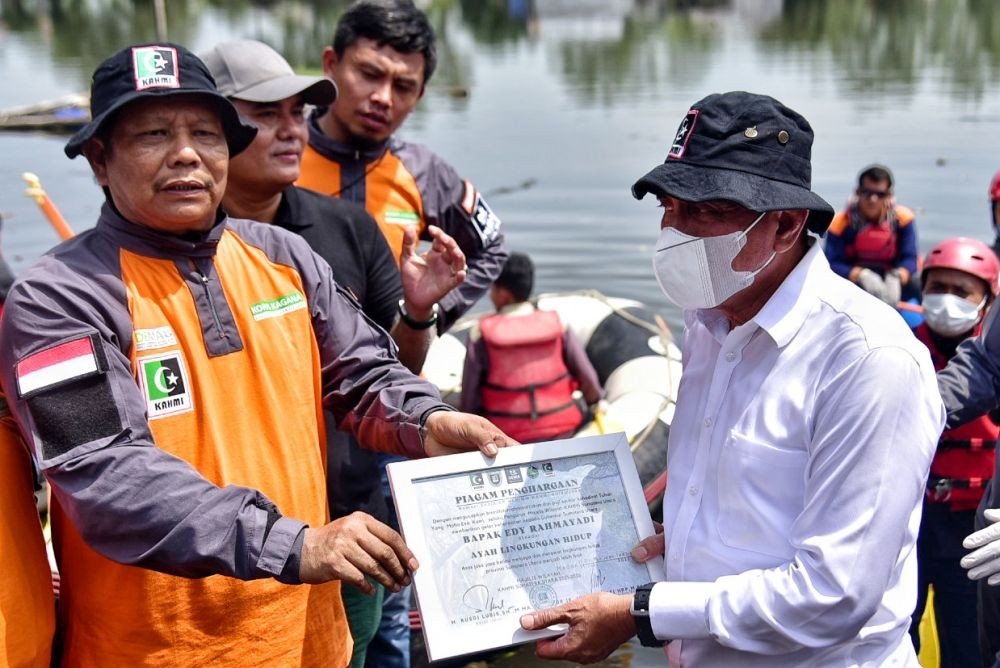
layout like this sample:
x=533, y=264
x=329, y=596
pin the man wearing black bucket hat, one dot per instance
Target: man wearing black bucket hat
x=169, y=368
x=805, y=424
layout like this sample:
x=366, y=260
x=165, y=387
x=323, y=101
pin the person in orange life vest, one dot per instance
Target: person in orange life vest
x=995, y=212
x=27, y=604
x=522, y=367
x=959, y=283
x=382, y=56
x=873, y=242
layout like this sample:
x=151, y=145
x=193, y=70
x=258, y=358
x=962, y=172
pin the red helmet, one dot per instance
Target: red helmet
x=995, y=187
x=968, y=255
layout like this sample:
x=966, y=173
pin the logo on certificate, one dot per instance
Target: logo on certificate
x=532, y=471
x=494, y=478
x=477, y=479
x=547, y=467
x=542, y=596
x=513, y=474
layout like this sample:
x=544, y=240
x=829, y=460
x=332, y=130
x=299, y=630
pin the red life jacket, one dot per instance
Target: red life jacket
x=875, y=245
x=965, y=455
x=528, y=391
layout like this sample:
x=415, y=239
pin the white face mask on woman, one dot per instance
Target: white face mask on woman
x=951, y=315
x=697, y=272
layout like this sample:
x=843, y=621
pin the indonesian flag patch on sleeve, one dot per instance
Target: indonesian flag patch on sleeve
x=58, y=365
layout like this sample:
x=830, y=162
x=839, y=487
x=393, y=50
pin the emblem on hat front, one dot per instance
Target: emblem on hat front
x=683, y=135
x=155, y=67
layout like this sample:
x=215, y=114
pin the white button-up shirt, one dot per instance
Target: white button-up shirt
x=798, y=457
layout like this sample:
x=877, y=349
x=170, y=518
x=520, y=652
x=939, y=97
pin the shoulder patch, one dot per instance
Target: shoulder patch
x=166, y=386
x=58, y=365
x=484, y=220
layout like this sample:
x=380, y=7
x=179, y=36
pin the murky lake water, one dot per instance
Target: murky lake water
x=554, y=107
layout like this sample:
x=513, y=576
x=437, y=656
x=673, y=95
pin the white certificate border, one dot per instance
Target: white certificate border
x=439, y=642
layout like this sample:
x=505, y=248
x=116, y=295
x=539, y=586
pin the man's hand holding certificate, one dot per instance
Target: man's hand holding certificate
x=537, y=526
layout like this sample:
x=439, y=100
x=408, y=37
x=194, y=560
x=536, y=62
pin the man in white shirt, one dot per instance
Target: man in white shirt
x=806, y=421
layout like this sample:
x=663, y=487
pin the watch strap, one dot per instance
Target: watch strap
x=416, y=324
x=640, y=613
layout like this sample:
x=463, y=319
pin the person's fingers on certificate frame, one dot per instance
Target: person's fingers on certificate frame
x=448, y=432
x=598, y=625
x=352, y=547
x=653, y=546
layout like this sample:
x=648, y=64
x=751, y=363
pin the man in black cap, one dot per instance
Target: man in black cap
x=804, y=428
x=169, y=367
x=264, y=89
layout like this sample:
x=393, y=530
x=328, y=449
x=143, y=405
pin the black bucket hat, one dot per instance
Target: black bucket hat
x=155, y=70
x=742, y=147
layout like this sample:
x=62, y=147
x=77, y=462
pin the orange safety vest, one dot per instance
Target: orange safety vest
x=392, y=196
x=27, y=606
x=118, y=615
x=965, y=455
x=528, y=391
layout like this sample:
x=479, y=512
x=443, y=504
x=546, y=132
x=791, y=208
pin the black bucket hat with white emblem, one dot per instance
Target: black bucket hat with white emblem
x=742, y=147
x=155, y=70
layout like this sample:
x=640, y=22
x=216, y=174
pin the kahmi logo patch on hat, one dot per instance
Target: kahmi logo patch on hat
x=155, y=67
x=683, y=135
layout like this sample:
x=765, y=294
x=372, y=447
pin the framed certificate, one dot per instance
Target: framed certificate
x=539, y=525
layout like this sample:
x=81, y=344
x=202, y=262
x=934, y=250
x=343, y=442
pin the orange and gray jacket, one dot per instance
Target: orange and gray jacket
x=403, y=184
x=172, y=391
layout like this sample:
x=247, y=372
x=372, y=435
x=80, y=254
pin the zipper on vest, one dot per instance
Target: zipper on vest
x=211, y=302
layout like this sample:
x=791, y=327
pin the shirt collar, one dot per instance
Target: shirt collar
x=787, y=309
x=148, y=241
x=784, y=313
x=334, y=150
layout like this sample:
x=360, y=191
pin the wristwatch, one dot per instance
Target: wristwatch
x=640, y=613
x=417, y=324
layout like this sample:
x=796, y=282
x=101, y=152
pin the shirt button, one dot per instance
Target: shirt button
x=730, y=356
x=708, y=422
x=693, y=491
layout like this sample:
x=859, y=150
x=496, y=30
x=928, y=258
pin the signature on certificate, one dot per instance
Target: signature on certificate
x=479, y=599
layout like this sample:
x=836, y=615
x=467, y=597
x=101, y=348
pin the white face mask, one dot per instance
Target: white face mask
x=951, y=315
x=697, y=272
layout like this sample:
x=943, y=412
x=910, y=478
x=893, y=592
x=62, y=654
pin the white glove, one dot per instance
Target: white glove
x=985, y=561
x=872, y=283
x=893, y=288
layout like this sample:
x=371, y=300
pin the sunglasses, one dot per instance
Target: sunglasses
x=877, y=194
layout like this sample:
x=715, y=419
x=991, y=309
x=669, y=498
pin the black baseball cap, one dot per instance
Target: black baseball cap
x=156, y=70
x=746, y=148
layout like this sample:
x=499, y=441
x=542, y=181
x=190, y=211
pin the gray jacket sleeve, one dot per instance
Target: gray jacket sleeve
x=130, y=500
x=369, y=392
x=970, y=384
